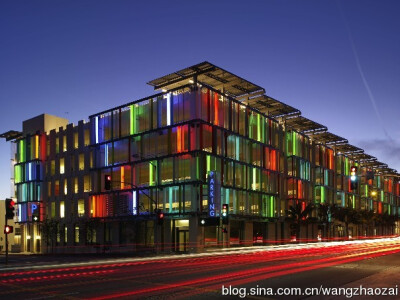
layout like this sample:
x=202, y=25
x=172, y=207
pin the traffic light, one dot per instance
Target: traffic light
x=107, y=182
x=224, y=214
x=160, y=217
x=370, y=174
x=208, y=221
x=8, y=229
x=10, y=206
x=353, y=178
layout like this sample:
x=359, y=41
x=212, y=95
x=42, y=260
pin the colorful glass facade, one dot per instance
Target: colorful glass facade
x=158, y=152
x=174, y=140
x=29, y=174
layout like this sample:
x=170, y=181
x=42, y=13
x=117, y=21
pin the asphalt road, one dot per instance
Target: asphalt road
x=209, y=276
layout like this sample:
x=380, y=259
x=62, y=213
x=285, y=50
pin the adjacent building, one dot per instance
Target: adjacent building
x=98, y=185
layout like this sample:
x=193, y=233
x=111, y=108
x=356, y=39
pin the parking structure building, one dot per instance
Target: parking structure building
x=98, y=185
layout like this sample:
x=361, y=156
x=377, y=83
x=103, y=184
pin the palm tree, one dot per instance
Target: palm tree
x=388, y=221
x=367, y=218
x=298, y=216
x=346, y=215
x=324, y=213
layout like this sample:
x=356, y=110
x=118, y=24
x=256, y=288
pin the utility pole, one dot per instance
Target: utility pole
x=6, y=234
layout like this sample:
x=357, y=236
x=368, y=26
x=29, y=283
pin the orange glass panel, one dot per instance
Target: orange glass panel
x=122, y=177
x=179, y=139
x=300, y=189
x=216, y=109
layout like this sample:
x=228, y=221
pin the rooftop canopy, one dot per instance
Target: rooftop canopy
x=254, y=96
x=327, y=138
x=11, y=135
x=271, y=106
x=302, y=124
x=348, y=149
x=208, y=74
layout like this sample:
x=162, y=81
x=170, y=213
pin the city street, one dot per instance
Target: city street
x=371, y=263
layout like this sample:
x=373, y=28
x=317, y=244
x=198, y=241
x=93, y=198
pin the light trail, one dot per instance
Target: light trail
x=224, y=261
x=206, y=271
x=241, y=277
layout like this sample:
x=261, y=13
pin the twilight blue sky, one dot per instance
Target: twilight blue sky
x=336, y=61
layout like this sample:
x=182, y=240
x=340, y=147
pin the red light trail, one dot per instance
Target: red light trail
x=188, y=276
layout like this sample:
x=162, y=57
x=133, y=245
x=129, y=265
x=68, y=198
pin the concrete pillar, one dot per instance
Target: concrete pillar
x=167, y=232
x=115, y=233
x=157, y=236
x=285, y=234
x=278, y=232
x=70, y=237
x=248, y=234
x=271, y=236
x=196, y=236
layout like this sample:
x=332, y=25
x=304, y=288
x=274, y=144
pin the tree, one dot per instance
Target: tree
x=388, y=221
x=50, y=229
x=89, y=227
x=346, y=215
x=298, y=215
x=324, y=214
x=367, y=219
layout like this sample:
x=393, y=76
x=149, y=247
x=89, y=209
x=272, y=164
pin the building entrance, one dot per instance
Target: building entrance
x=182, y=241
x=182, y=235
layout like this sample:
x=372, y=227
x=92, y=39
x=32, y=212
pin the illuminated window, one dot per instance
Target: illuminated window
x=65, y=186
x=91, y=160
x=64, y=143
x=57, y=144
x=86, y=184
x=62, y=209
x=76, y=140
x=81, y=208
x=76, y=240
x=76, y=185
x=81, y=161
x=53, y=209
x=52, y=167
x=58, y=240
x=86, y=137
x=121, y=151
x=167, y=168
x=65, y=234
x=62, y=165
